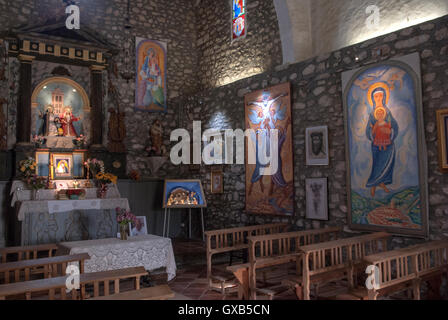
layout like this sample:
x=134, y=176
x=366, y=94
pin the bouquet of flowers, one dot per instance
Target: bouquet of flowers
x=106, y=178
x=134, y=175
x=39, y=140
x=79, y=141
x=36, y=183
x=125, y=217
x=27, y=167
x=95, y=166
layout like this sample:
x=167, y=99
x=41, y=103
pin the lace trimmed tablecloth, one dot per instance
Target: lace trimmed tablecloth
x=20, y=192
x=150, y=251
x=45, y=206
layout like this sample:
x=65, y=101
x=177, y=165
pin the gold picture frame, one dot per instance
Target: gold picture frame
x=216, y=182
x=442, y=129
x=62, y=165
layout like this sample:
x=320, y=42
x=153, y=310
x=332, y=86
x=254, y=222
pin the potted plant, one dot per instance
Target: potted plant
x=39, y=141
x=124, y=218
x=36, y=183
x=80, y=142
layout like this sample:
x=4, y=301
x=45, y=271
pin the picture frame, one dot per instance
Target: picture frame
x=133, y=229
x=317, y=150
x=442, y=128
x=317, y=199
x=183, y=194
x=62, y=165
x=216, y=182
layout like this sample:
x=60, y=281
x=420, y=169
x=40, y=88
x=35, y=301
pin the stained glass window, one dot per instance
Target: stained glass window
x=239, y=19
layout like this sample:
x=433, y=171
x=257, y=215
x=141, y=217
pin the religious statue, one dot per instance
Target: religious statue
x=156, y=132
x=3, y=126
x=67, y=120
x=117, y=131
x=45, y=127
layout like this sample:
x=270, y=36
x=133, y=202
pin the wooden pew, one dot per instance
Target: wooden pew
x=334, y=260
x=234, y=239
x=162, y=292
x=50, y=267
x=53, y=285
x=274, y=250
x=278, y=249
x=408, y=267
x=29, y=252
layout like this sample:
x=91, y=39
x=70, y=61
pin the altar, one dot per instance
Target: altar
x=45, y=219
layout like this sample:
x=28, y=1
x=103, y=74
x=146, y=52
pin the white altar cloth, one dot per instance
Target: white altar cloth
x=20, y=192
x=150, y=251
x=45, y=206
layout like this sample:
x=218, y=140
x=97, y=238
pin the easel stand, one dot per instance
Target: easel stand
x=166, y=224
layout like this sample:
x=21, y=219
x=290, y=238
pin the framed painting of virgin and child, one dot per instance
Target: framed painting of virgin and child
x=385, y=148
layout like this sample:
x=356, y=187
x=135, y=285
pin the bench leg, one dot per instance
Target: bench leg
x=372, y=295
x=299, y=292
x=434, y=288
x=416, y=289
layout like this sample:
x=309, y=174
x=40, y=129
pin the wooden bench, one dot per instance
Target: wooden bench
x=27, y=253
x=234, y=239
x=53, y=285
x=408, y=267
x=50, y=267
x=334, y=260
x=274, y=250
x=162, y=292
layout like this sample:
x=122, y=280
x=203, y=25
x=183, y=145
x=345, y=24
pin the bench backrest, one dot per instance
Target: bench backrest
x=288, y=243
x=28, y=252
x=50, y=267
x=227, y=239
x=59, y=284
x=401, y=265
x=333, y=255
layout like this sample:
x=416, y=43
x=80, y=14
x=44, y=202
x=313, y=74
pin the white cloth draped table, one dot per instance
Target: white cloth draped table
x=44, y=206
x=20, y=192
x=150, y=251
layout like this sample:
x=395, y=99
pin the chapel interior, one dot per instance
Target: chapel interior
x=223, y=150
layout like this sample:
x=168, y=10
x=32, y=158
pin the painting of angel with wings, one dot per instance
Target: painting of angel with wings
x=270, y=192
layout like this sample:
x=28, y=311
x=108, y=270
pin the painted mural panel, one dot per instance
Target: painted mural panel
x=385, y=148
x=150, y=84
x=271, y=194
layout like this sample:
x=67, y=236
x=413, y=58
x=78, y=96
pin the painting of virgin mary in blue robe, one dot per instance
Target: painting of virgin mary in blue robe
x=382, y=117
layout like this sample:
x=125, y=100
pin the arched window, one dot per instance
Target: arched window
x=239, y=19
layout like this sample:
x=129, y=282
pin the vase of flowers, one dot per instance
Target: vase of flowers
x=39, y=141
x=103, y=179
x=124, y=218
x=36, y=183
x=80, y=142
x=27, y=168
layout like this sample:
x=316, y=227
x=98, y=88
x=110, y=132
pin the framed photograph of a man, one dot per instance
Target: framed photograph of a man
x=317, y=199
x=317, y=146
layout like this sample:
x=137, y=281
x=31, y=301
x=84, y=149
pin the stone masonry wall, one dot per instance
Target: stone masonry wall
x=317, y=100
x=222, y=61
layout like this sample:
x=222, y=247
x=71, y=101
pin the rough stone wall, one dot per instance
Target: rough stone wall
x=222, y=61
x=170, y=21
x=317, y=100
x=338, y=24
